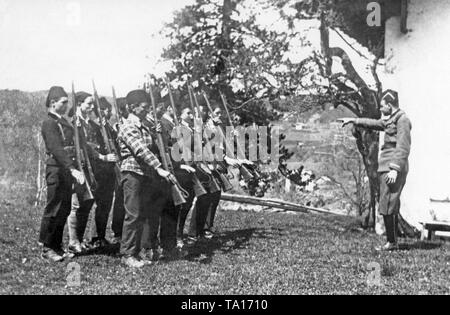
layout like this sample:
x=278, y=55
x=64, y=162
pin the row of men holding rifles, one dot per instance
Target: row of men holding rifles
x=128, y=167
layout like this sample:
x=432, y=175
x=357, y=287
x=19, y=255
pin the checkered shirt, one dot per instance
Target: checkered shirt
x=135, y=141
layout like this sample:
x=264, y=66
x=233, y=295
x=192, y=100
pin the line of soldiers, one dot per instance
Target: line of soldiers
x=147, y=220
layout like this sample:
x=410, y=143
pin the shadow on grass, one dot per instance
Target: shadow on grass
x=112, y=250
x=420, y=245
x=224, y=242
x=227, y=242
x=7, y=242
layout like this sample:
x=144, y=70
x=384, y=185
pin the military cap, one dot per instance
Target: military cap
x=391, y=96
x=54, y=94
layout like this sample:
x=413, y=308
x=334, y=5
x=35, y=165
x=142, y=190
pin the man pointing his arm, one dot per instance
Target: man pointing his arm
x=393, y=160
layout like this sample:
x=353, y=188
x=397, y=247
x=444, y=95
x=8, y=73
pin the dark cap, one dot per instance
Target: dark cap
x=81, y=96
x=137, y=97
x=54, y=94
x=391, y=96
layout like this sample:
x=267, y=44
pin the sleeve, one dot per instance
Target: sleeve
x=132, y=138
x=375, y=124
x=403, y=147
x=92, y=153
x=54, y=142
x=114, y=135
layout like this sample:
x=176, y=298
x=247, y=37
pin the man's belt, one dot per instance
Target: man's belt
x=70, y=150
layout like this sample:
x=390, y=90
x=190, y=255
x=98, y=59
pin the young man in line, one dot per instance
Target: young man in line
x=88, y=130
x=58, y=135
x=143, y=178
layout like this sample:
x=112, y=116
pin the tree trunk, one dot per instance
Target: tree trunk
x=225, y=44
x=363, y=104
x=367, y=143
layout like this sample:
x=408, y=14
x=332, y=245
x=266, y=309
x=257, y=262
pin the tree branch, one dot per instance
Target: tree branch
x=348, y=66
x=356, y=50
x=347, y=105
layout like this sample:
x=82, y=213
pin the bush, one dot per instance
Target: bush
x=21, y=115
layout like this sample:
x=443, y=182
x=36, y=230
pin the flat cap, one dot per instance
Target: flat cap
x=137, y=97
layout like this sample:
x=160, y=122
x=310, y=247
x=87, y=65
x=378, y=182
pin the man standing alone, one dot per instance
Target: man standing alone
x=393, y=161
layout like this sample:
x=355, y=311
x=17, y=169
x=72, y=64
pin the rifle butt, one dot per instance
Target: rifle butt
x=84, y=193
x=199, y=190
x=177, y=196
x=246, y=174
x=226, y=184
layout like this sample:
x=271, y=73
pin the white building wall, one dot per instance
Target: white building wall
x=418, y=66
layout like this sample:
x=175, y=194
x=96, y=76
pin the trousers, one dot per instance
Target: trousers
x=57, y=209
x=144, y=199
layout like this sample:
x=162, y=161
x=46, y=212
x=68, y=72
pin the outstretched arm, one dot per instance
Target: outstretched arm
x=375, y=124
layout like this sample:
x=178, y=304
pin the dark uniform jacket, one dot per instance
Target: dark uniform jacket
x=95, y=141
x=397, y=141
x=168, y=126
x=58, y=135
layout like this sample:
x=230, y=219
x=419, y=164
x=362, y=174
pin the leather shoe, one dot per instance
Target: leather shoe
x=388, y=247
x=51, y=255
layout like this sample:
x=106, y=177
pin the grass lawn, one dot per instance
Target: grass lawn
x=254, y=253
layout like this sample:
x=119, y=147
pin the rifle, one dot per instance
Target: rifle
x=116, y=107
x=199, y=190
x=107, y=138
x=179, y=195
x=211, y=182
x=248, y=172
x=243, y=169
x=86, y=191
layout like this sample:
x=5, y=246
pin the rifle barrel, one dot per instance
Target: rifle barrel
x=100, y=116
x=172, y=103
x=116, y=107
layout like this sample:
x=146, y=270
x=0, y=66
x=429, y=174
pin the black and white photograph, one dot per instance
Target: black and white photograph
x=223, y=152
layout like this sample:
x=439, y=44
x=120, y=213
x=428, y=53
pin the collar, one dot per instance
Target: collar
x=81, y=118
x=150, y=119
x=394, y=116
x=167, y=117
x=394, y=113
x=133, y=119
x=184, y=123
x=55, y=114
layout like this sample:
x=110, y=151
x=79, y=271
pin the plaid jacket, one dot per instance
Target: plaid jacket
x=135, y=141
